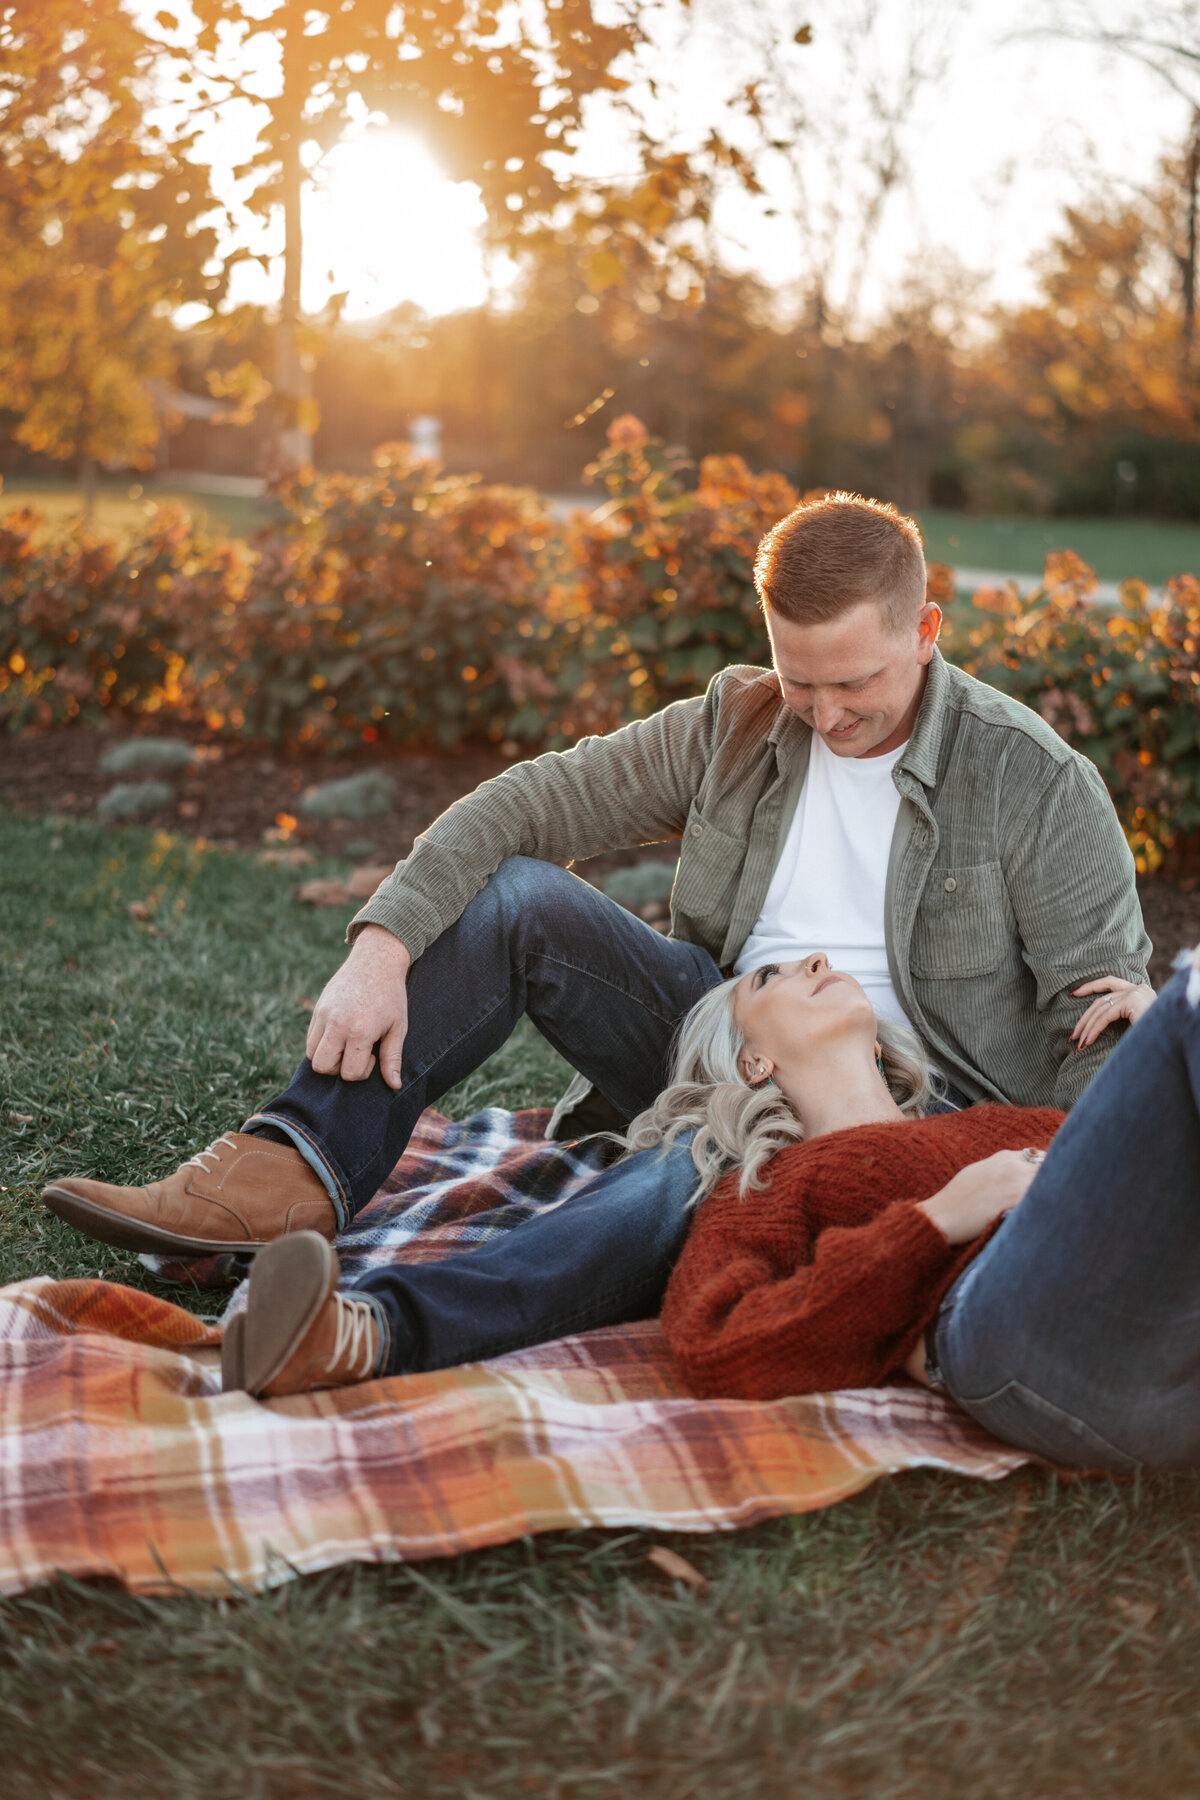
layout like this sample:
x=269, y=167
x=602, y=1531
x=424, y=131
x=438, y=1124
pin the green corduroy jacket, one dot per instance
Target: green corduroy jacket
x=1009, y=879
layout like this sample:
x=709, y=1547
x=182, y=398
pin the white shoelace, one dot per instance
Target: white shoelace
x=355, y=1337
x=213, y=1151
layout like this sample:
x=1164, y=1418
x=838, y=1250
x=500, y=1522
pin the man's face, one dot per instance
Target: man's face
x=856, y=681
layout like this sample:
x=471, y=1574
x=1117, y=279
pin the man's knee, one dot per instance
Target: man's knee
x=526, y=892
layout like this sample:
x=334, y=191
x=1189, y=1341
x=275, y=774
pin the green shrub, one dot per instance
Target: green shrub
x=427, y=609
x=88, y=629
x=1122, y=685
x=379, y=608
x=653, y=591
x=364, y=796
x=133, y=800
x=147, y=756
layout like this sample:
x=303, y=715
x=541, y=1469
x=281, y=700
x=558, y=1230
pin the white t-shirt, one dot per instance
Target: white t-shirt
x=828, y=887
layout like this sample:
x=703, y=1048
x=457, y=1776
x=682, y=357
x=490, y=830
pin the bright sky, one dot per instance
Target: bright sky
x=1016, y=129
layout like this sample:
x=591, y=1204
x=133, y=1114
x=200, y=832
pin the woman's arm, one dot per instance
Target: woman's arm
x=980, y=1193
x=755, y=1312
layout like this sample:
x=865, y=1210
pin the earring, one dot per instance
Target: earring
x=879, y=1066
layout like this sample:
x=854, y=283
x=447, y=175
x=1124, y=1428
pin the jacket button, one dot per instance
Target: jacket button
x=949, y=884
x=697, y=831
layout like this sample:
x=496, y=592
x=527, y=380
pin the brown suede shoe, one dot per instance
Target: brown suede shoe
x=298, y=1332
x=240, y=1193
x=233, y=1355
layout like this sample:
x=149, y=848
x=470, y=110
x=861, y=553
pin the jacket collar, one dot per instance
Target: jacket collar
x=924, y=746
x=920, y=757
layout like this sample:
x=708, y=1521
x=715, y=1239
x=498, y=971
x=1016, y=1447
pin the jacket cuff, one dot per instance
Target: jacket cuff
x=408, y=916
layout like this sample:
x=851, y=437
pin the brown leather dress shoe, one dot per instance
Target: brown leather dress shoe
x=240, y=1193
x=298, y=1333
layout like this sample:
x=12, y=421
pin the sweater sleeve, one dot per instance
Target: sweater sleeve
x=744, y=1321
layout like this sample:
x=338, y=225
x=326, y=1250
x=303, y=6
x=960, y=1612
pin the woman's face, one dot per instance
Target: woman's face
x=786, y=1011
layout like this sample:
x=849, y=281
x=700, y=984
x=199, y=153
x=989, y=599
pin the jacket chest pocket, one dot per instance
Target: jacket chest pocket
x=964, y=924
x=710, y=863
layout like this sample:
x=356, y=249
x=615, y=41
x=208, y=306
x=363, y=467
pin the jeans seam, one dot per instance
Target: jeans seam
x=626, y=993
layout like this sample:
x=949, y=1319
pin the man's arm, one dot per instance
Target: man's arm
x=606, y=793
x=632, y=787
x=1071, y=881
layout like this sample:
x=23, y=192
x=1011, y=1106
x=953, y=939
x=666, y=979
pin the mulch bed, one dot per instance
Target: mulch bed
x=236, y=795
x=235, y=798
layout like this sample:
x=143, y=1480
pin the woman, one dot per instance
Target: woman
x=1045, y=1272
x=787, y=1060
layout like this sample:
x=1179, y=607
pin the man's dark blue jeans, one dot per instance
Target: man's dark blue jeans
x=608, y=992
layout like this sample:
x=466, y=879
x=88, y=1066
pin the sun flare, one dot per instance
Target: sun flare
x=383, y=224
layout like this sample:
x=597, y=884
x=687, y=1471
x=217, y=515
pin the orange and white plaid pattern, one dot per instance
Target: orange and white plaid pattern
x=120, y=1457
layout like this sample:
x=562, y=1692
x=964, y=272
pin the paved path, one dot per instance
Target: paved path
x=1106, y=592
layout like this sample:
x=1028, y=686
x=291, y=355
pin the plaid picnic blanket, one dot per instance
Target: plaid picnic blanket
x=120, y=1457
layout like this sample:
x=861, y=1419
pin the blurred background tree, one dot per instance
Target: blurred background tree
x=495, y=93
x=615, y=281
x=105, y=231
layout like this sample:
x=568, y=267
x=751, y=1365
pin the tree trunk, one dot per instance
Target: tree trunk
x=87, y=484
x=293, y=381
x=1189, y=263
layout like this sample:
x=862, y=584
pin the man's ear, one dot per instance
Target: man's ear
x=929, y=625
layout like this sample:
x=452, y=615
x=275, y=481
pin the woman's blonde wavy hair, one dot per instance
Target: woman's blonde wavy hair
x=741, y=1127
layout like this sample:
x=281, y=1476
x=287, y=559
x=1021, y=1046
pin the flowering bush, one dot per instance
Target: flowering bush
x=86, y=628
x=653, y=591
x=1123, y=686
x=428, y=609
x=384, y=605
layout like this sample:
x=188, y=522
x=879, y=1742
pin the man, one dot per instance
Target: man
x=863, y=797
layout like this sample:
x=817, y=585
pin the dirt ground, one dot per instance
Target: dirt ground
x=245, y=796
x=237, y=794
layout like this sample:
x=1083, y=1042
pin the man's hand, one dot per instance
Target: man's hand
x=364, y=1004
x=980, y=1193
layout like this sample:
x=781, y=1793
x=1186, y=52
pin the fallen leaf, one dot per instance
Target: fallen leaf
x=304, y=1001
x=363, y=882
x=295, y=858
x=677, y=1567
x=331, y=890
x=139, y=910
x=22, y=1118
x=325, y=891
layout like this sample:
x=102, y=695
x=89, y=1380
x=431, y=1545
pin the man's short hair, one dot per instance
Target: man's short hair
x=832, y=553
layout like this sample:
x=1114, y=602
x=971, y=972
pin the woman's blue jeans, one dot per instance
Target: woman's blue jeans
x=1076, y=1332
x=608, y=992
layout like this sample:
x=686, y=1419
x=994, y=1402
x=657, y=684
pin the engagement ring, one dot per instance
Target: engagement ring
x=1033, y=1156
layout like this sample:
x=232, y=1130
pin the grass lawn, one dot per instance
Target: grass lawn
x=123, y=507
x=1115, y=548
x=933, y=1636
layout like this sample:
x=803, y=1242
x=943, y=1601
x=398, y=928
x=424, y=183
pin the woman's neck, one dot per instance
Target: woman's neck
x=838, y=1094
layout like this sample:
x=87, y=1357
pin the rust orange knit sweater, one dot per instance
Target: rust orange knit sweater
x=827, y=1277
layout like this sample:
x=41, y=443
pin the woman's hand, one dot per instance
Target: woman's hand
x=1120, y=1000
x=980, y=1193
